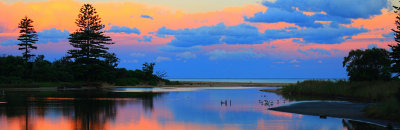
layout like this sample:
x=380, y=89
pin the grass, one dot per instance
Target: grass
x=365, y=91
x=384, y=93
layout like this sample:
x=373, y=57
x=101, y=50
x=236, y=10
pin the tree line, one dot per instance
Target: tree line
x=88, y=61
x=376, y=63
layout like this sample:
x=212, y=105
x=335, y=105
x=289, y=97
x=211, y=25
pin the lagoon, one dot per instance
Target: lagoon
x=155, y=108
x=251, y=80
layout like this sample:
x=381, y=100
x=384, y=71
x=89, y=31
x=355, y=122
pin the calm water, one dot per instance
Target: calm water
x=158, y=108
x=261, y=80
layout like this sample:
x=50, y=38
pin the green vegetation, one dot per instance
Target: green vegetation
x=386, y=93
x=370, y=79
x=369, y=64
x=361, y=90
x=44, y=73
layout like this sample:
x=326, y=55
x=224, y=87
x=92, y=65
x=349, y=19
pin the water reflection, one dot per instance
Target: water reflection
x=216, y=108
x=89, y=111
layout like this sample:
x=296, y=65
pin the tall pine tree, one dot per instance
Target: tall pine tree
x=90, y=51
x=395, y=54
x=28, y=37
x=89, y=40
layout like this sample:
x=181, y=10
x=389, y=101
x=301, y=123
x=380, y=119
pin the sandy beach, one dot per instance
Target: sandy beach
x=339, y=109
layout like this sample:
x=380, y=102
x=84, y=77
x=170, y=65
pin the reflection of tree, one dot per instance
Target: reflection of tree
x=93, y=114
x=90, y=112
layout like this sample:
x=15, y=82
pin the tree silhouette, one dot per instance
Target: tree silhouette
x=89, y=46
x=369, y=64
x=89, y=40
x=148, y=69
x=395, y=54
x=28, y=37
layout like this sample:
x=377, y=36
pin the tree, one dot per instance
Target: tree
x=395, y=54
x=28, y=37
x=148, y=69
x=90, y=51
x=89, y=40
x=369, y=64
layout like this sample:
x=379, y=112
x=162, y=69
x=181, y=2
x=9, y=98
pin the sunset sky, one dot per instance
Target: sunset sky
x=214, y=38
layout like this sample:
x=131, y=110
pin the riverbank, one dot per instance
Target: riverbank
x=339, y=109
x=382, y=98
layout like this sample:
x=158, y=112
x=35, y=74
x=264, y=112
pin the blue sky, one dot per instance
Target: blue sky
x=215, y=38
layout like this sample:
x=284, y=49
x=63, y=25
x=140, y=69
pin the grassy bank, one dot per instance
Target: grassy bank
x=385, y=93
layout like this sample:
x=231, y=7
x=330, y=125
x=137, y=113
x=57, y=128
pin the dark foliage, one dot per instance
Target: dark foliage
x=395, y=54
x=369, y=64
x=13, y=68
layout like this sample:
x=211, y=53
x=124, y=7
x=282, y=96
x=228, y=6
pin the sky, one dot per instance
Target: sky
x=214, y=38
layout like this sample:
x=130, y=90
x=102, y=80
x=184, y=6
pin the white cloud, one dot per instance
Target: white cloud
x=161, y=59
x=130, y=61
x=222, y=54
x=294, y=61
x=137, y=54
x=186, y=55
x=279, y=62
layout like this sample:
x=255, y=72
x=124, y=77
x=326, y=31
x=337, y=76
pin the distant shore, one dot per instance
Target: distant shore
x=181, y=84
x=225, y=84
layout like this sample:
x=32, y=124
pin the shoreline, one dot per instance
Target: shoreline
x=337, y=109
x=182, y=84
